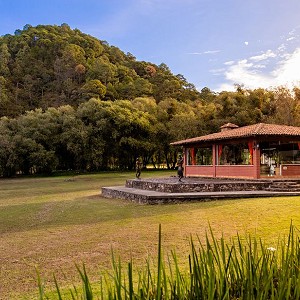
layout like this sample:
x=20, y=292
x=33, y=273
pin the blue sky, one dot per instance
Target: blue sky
x=212, y=43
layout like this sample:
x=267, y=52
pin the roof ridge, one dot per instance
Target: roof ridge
x=258, y=128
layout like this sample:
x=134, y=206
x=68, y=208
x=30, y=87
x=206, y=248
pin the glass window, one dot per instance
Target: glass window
x=203, y=156
x=235, y=154
x=280, y=153
x=199, y=156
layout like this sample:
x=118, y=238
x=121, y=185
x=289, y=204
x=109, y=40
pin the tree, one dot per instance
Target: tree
x=93, y=89
x=103, y=70
x=4, y=60
x=7, y=149
x=5, y=105
x=286, y=107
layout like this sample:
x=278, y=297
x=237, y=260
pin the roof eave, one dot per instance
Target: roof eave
x=195, y=141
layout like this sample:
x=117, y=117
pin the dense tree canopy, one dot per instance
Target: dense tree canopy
x=47, y=66
x=69, y=101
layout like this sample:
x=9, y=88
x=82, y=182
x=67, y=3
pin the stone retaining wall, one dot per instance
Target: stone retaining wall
x=169, y=190
x=181, y=187
x=109, y=192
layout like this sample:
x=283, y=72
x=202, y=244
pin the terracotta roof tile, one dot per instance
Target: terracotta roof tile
x=260, y=129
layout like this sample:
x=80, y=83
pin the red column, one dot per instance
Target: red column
x=184, y=161
x=256, y=160
x=193, y=156
x=251, y=146
x=214, y=159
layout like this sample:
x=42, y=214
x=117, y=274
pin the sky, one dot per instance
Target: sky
x=212, y=43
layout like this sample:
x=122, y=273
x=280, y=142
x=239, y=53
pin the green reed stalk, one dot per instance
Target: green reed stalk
x=86, y=285
x=159, y=266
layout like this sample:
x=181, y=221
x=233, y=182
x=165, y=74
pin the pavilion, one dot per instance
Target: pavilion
x=255, y=151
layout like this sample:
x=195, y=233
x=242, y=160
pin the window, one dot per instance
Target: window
x=280, y=153
x=235, y=154
x=204, y=156
x=199, y=156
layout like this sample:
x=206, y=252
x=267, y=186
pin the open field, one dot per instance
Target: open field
x=53, y=223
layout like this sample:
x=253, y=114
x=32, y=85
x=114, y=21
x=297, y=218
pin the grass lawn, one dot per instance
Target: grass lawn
x=54, y=223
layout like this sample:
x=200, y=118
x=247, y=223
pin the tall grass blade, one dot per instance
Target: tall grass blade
x=159, y=265
x=40, y=286
x=130, y=281
x=57, y=288
x=87, y=289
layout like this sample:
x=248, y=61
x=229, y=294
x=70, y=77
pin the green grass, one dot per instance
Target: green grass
x=54, y=223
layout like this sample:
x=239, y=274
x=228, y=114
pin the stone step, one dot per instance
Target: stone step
x=285, y=182
x=286, y=186
x=153, y=197
x=282, y=189
x=187, y=185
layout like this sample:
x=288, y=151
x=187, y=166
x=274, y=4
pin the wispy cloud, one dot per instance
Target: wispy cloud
x=290, y=38
x=288, y=69
x=263, y=56
x=229, y=63
x=248, y=72
x=267, y=69
x=205, y=52
x=211, y=51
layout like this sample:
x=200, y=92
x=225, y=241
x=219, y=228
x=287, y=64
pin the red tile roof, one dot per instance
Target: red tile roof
x=260, y=129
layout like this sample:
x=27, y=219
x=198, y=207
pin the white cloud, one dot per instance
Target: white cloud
x=293, y=33
x=282, y=70
x=246, y=43
x=263, y=56
x=281, y=48
x=229, y=63
x=205, y=52
x=259, y=66
x=211, y=51
x=290, y=39
x=288, y=70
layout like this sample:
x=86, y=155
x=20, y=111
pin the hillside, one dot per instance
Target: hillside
x=49, y=66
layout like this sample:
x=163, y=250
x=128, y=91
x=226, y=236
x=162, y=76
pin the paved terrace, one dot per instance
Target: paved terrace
x=170, y=190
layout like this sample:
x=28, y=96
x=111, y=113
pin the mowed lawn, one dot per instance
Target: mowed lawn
x=51, y=224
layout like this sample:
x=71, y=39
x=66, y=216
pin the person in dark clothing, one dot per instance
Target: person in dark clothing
x=180, y=167
x=138, y=168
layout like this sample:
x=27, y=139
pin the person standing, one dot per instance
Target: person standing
x=180, y=167
x=138, y=168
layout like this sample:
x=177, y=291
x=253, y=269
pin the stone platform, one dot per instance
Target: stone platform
x=170, y=190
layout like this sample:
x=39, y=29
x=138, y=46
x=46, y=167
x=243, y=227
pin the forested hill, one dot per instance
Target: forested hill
x=71, y=101
x=50, y=66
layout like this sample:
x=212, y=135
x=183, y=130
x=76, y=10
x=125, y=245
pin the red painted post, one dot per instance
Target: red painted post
x=214, y=159
x=184, y=161
x=256, y=159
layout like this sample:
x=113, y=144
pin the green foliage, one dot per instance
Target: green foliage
x=54, y=65
x=93, y=89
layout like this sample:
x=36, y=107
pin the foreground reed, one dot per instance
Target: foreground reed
x=242, y=268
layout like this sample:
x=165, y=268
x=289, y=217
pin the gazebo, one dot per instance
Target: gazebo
x=255, y=151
